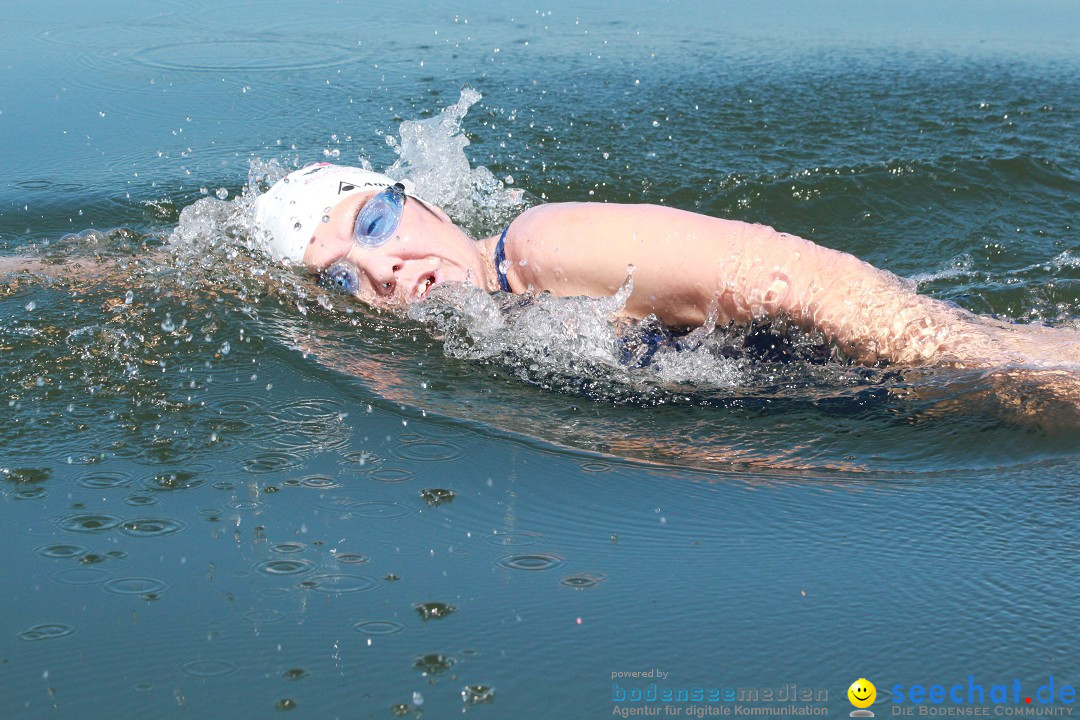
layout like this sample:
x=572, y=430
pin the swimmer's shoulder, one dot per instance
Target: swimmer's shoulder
x=555, y=221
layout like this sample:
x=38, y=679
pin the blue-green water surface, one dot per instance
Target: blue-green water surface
x=223, y=494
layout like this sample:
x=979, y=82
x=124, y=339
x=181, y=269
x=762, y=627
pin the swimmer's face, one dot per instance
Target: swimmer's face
x=426, y=249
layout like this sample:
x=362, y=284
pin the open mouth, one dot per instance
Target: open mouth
x=426, y=283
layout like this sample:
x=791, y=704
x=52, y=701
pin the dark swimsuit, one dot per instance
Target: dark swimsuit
x=500, y=262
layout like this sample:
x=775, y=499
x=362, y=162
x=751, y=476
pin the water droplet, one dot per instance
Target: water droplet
x=434, y=610
x=437, y=496
x=151, y=527
x=583, y=580
x=222, y=194
x=474, y=694
x=128, y=297
x=336, y=584
x=31, y=305
x=434, y=663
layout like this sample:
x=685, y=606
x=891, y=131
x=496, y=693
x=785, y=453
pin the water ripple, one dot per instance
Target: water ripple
x=88, y=523
x=47, y=631
x=62, y=551
x=378, y=627
x=533, y=563
x=80, y=576
x=209, y=668
x=334, y=584
x=135, y=586
x=151, y=527
x=240, y=54
x=508, y=539
x=583, y=580
x=378, y=509
x=283, y=567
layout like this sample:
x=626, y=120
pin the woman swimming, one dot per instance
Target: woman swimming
x=365, y=233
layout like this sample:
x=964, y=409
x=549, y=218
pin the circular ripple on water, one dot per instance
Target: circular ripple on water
x=307, y=410
x=391, y=475
x=378, y=627
x=151, y=527
x=62, y=551
x=597, y=466
x=378, y=509
x=319, y=482
x=514, y=539
x=46, y=631
x=240, y=54
x=269, y=462
x=134, y=585
x=175, y=480
x=80, y=575
x=140, y=500
x=351, y=558
x=289, y=548
x=363, y=458
x=233, y=407
x=103, y=480
x=264, y=615
x=245, y=504
x=88, y=523
x=583, y=580
x=427, y=451
x=334, y=584
x=30, y=493
x=283, y=567
x=533, y=562
x=209, y=668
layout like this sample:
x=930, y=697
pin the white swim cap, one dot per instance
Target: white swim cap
x=288, y=213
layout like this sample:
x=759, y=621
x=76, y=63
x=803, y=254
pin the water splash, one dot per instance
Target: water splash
x=431, y=153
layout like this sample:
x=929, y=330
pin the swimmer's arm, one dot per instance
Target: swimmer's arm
x=685, y=262
x=11, y=266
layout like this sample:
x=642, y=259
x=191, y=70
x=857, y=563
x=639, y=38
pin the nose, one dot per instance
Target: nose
x=380, y=271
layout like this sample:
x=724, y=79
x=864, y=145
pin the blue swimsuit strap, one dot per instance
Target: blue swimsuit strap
x=500, y=262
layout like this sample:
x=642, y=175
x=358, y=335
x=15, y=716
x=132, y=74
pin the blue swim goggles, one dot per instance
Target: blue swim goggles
x=375, y=225
x=378, y=220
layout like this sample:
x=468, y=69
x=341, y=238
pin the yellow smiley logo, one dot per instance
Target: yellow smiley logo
x=862, y=693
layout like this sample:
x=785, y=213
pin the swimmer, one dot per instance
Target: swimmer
x=366, y=234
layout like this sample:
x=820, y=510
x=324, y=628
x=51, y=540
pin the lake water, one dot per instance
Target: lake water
x=225, y=494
